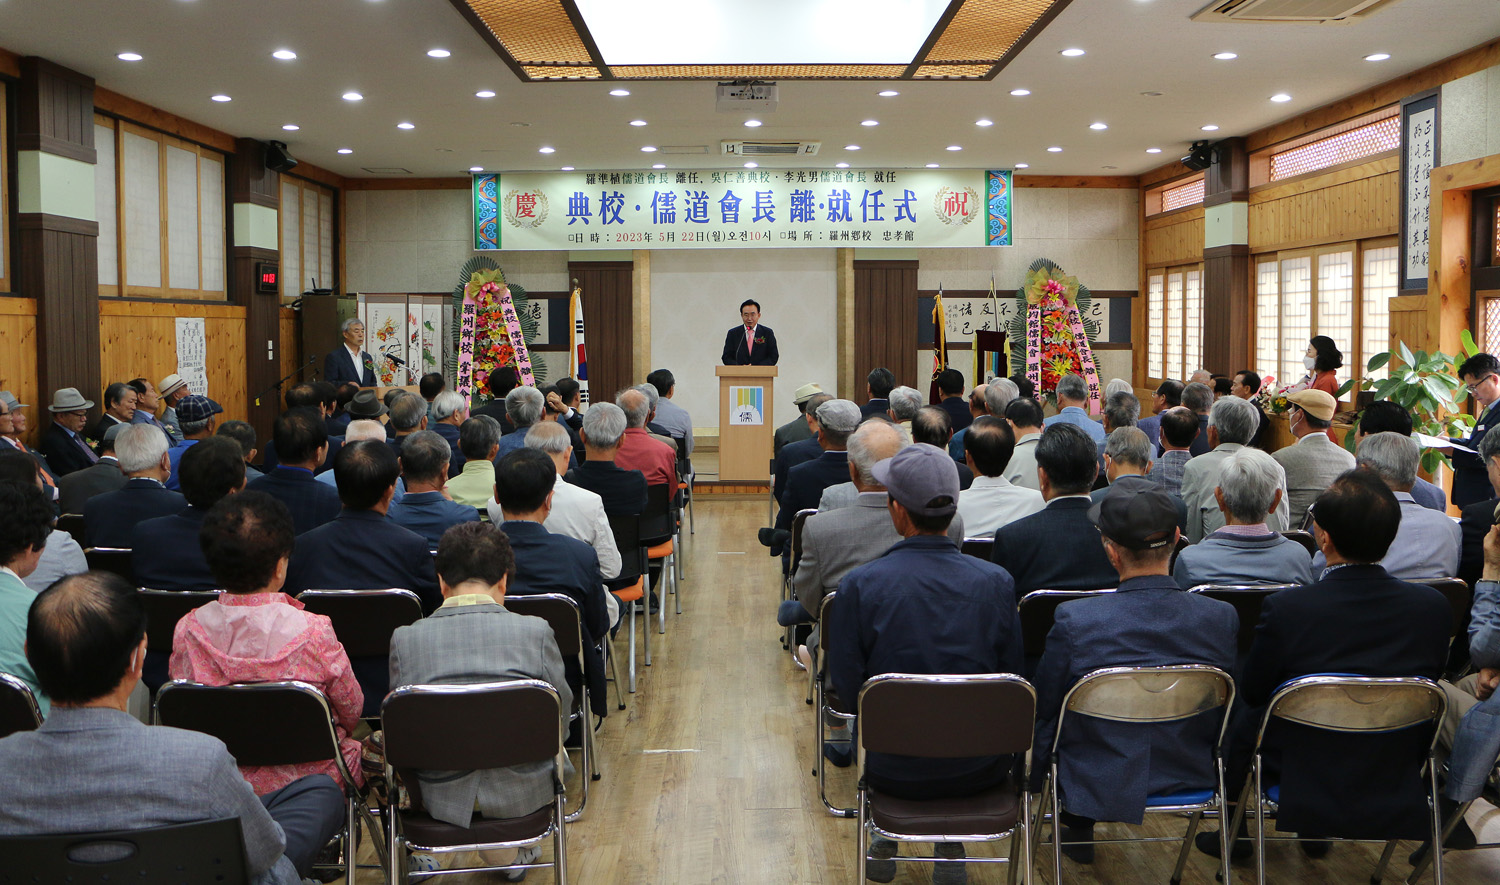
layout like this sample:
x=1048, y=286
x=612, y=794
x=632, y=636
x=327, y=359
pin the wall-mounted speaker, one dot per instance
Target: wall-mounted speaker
x=277, y=158
x=1200, y=156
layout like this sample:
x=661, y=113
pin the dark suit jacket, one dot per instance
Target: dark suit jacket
x=790, y=456
x=495, y=408
x=1056, y=549
x=764, y=352
x=312, y=503
x=364, y=550
x=429, y=514
x=109, y=519
x=551, y=563
x=623, y=491
x=958, y=412
x=805, y=484
x=456, y=458
x=338, y=425
x=64, y=453
x=1478, y=519
x=1200, y=442
x=77, y=487
x=167, y=555
x=269, y=460
x=339, y=368
x=1109, y=768
x=1358, y=620
x=792, y=431
x=1470, y=481
x=874, y=407
x=105, y=422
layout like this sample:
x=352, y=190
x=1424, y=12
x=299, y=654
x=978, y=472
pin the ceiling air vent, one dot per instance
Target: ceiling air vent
x=1289, y=11
x=770, y=148
x=386, y=170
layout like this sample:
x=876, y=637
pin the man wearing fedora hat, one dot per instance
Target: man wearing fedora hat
x=173, y=389
x=13, y=428
x=796, y=429
x=62, y=441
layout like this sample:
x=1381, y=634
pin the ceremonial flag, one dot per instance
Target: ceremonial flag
x=579, y=366
x=939, y=344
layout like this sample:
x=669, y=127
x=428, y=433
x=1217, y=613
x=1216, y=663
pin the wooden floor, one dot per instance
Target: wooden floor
x=706, y=775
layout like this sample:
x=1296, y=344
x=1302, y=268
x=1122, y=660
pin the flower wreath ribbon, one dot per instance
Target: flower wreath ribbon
x=487, y=283
x=1047, y=292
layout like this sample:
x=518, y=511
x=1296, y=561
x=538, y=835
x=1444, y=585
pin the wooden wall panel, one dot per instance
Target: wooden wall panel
x=290, y=347
x=885, y=305
x=1174, y=239
x=139, y=338
x=18, y=356
x=1346, y=204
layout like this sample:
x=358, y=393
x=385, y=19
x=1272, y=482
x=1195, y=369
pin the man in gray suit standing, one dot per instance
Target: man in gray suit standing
x=92, y=767
x=473, y=638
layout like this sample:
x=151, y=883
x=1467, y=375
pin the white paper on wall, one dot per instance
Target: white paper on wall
x=192, y=354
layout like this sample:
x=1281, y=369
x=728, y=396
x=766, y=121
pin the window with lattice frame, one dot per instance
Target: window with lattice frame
x=1174, y=322
x=1342, y=147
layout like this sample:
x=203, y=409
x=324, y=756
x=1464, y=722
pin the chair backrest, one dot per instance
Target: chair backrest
x=164, y=608
x=1247, y=600
x=798, y=520
x=1357, y=704
x=1304, y=538
x=18, y=709
x=560, y=612
x=988, y=714
x=825, y=611
x=115, y=560
x=471, y=727
x=265, y=723
x=1182, y=544
x=1147, y=695
x=72, y=523
x=979, y=548
x=627, y=531
x=364, y=620
x=1459, y=597
x=1038, y=612
x=656, y=519
x=208, y=851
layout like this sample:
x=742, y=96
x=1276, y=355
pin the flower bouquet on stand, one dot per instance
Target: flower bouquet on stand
x=1050, y=335
x=493, y=329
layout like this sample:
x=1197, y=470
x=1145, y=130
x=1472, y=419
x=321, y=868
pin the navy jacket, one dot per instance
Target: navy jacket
x=551, y=563
x=1109, y=768
x=270, y=461
x=339, y=368
x=65, y=453
x=312, y=503
x=429, y=514
x=763, y=353
x=874, y=407
x=923, y=607
x=109, y=519
x=1478, y=518
x=1470, y=481
x=167, y=553
x=74, y=490
x=364, y=550
x=1056, y=549
x=1200, y=442
x=623, y=491
x=456, y=458
x=805, y=484
x=790, y=456
x=958, y=412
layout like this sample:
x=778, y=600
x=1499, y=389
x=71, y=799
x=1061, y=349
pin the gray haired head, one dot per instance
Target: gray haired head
x=1117, y=385
x=1072, y=388
x=1129, y=446
x=1122, y=409
x=549, y=436
x=998, y=394
x=871, y=443
x=140, y=447
x=407, y=411
x=524, y=406
x=446, y=405
x=905, y=401
x=1393, y=457
x=1234, y=419
x=1249, y=481
x=1198, y=396
x=603, y=425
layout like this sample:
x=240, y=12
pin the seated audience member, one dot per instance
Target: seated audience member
x=524, y=406
x=1230, y=427
x=302, y=440
x=1426, y=544
x=805, y=483
x=62, y=442
x=1356, y=620
x=1479, y=518
x=243, y=434
x=92, y=767
x=363, y=548
x=450, y=411
x=1032, y=549
x=1168, y=395
x=307, y=396
x=1222, y=386
x=472, y=637
x=1024, y=415
x=1245, y=385
x=1382, y=416
x=905, y=401
x=147, y=401
x=951, y=391
x=566, y=401
x=622, y=492
x=1108, y=769
x=109, y=519
x=1117, y=385
x=424, y=509
x=551, y=563
x=979, y=406
x=62, y=555
x=1179, y=429
x=1072, y=402
x=931, y=427
x=576, y=512
x=1244, y=550
x=878, y=386
x=923, y=607
x=195, y=417
x=430, y=385
x=1198, y=398
x=656, y=460
x=674, y=418
x=1314, y=461
x=165, y=553
x=25, y=524
x=479, y=441
x=500, y=382
x=173, y=389
x=798, y=428
x=654, y=430
x=345, y=395
x=992, y=502
x=1025, y=386
x=362, y=428
x=13, y=430
x=845, y=494
x=119, y=409
x=408, y=414
x=256, y=633
x=1121, y=409
x=1127, y=461
x=328, y=402
x=77, y=487
x=801, y=451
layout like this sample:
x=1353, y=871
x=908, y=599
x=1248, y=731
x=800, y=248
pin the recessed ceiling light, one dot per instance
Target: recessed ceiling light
x=932, y=165
x=406, y=125
x=851, y=147
x=438, y=53
x=1153, y=150
x=1209, y=128
x=1281, y=97
x=520, y=124
x=1054, y=150
x=346, y=150
x=955, y=147
x=1098, y=126
x=619, y=93
x=353, y=96
x=284, y=54
x=485, y=93
x=567, y=168
x=841, y=165
x=658, y=165
x=751, y=165
x=1378, y=56
x=869, y=122
x=1225, y=56
x=984, y=122
x=291, y=127
x=887, y=93
x=637, y=122
x=1152, y=94
x=752, y=123
x=132, y=56
x=1109, y=167
x=476, y=168
x=1071, y=53
x=545, y=150
x=648, y=149
x=1023, y=165
x=220, y=98
x=1020, y=92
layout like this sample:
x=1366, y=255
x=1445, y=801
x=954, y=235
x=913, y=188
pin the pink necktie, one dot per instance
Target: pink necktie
x=749, y=341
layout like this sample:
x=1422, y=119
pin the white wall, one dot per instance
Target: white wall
x=695, y=299
x=1470, y=117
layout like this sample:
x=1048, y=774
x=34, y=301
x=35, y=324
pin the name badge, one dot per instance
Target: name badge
x=1479, y=429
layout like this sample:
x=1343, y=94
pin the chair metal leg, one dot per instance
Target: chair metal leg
x=691, y=530
x=1027, y=823
x=1385, y=858
x=1224, y=834
x=614, y=670
x=863, y=841
x=1449, y=826
x=1056, y=828
x=1438, y=831
x=559, y=843
x=1035, y=836
x=1260, y=823
x=646, y=626
x=668, y=576
x=630, y=616
x=1187, y=847
x=351, y=831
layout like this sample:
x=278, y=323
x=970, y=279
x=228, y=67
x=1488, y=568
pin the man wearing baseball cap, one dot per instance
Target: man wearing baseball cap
x=796, y=429
x=924, y=607
x=1108, y=769
x=1315, y=460
x=195, y=416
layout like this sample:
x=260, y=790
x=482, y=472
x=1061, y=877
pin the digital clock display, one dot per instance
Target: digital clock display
x=267, y=278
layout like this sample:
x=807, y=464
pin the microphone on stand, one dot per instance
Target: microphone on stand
x=396, y=359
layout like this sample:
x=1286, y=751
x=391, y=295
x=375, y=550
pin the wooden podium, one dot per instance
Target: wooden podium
x=745, y=394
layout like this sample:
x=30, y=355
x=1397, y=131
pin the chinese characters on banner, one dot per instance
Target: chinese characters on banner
x=192, y=354
x=742, y=208
x=1421, y=156
x=466, y=322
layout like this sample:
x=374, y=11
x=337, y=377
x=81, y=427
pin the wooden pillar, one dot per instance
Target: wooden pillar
x=56, y=254
x=1228, y=312
x=254, y=198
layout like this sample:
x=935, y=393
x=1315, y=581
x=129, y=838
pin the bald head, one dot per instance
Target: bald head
x=872, y=443
x=637, y=408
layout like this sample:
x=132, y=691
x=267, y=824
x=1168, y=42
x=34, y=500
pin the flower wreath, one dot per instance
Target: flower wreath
x=1049, y=333
x=483, y=282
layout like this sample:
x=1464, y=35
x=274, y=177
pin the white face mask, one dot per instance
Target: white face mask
x=1309, y=362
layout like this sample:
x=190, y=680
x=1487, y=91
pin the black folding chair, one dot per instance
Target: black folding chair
x=364, y=620
x=164, y=608
x=115, y=560
x=633, y=568
x=1303, y=538
x=659, y=535
x=1247, y=600
x=72, y=523
x=18, y=707
x=979, y=548
x=208, y=851
x=1038, y=611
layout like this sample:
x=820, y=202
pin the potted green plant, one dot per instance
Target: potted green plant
x=1427, y=385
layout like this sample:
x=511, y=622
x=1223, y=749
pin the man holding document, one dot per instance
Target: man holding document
x=1480, y=373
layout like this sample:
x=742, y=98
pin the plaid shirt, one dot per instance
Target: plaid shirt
x=1168, y=470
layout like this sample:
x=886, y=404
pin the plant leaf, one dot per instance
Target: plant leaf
x=1466, y=339
x=1406, y=356
x=1378, y=360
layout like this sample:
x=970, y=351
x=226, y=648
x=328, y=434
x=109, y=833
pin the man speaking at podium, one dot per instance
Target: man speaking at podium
x=750, y=344
x=350, y=362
